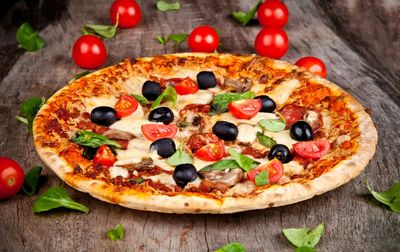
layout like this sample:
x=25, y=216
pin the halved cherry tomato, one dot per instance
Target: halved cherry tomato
x=211, y=152
x=126, y=105
x=245, y=109
x=312, y=64
x=11, y=177
x=104, y=156
x=274, y=168
x=312, y=149
x=186, y=86
x=155, y=131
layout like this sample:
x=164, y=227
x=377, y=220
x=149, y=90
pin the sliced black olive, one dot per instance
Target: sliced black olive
x=268, y=105
x=225, y=130
x=161, y=114
x=184, y=173
x=165, y=147
x=103, y=115
x=281, y=152
x=301, y=131
x=151, y=90
x=206, y=79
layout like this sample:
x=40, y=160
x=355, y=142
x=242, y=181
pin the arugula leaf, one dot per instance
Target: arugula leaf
x=29, y=39
x=116, y=233
x=232, y=247
x=274, y=125
x=56, y=197
x=79, y=75
x=245, y=17
x=301, y=237
x=305, y=249
x=29, y=109
x=220, y=102
x=177, y=38
x=243, y=161
x=180, y=157
x=261, y=178
x=94, y=140
x=221, y=165
x=162, y=40
x=103, y=31
x=391, y=197
x=139, y=180
x=165, y=6
x=141, y=99
x=169, y=94
x=265, y=140
x=31, y=181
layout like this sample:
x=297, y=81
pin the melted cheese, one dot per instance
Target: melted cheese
x=282, y=137
x=162, y=178
x=93, y=102
x=201, y=97
x=283, y=91
x=116, y=171
x=292, y=168
x=253, y=121
x=248, y=133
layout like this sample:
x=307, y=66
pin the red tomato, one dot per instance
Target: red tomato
x=11, y=177
x=245, y=109
x=89, y=52
x=274, y=168
x=203, y=39
x=129, y=13
x=273, y=13
x=313, y=65
x=271, y=42
x=186, y=86
x=312, y=149
x=292, y=113
x=104, y=156
x=126, y=105
x=211, y=152
x=155, y=131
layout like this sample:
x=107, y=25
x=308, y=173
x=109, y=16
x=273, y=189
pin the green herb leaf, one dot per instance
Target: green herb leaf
x=183, y=124
x=165, y=6
x=391, y=197
x=261, y=178
x=94, y=140
x=300, y=237
x=305, y=249
x=243, y=17
x=221, y=101
x=78, y=76
x=232, y=247
x=221, y=165
x=116, y=233
x=103, y=31
x=162, y=40
x=139, y=180
x=265, y=140
x=29, y=109
x=274, y=125
x=169, y=94
x=29, y=39
x=180, y=157
x=141, y=99
x=243, y=161
x=31, y=181
x=177, y=38
x=56, y=197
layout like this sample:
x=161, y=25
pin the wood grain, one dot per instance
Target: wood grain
x=353, y=219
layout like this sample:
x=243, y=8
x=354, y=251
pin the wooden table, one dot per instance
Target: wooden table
x=361, y=50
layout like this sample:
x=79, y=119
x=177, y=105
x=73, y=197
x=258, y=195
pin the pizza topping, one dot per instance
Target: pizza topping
x=104, y=156
x=151, y=90
x=267, y=104
x=195, y=109
x=273, y=125
x=126, y=105
x=265, y=140
x=186, y=86
x=245, y=109
x=198, y=140
x=243, y=161
x=103, y=115
x=267, y=173
x=184, y=173
x=247, y=133
x=154, y=132
x=116, y=171
x=145, y=164
x=241, y=84
x=211, y=152
x=93, y=140
x=225, y=130
x=165, y=147
x=312, y=149
x=161, y=114
x=206, y=80
x=301, y=131
x=280, y=152
x=229, y=178
x=314, y=119
x=256, y=153
x=169, y=94
x=292, y=113
x=116, y=134
x=180, y=157
x=220, y=102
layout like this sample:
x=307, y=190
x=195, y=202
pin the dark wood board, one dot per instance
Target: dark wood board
x=354, y=220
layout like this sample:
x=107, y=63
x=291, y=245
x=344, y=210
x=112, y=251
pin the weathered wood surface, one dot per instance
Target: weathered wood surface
x=354, y=220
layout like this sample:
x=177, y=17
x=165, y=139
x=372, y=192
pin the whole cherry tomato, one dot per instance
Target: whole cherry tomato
x=89, y=52
x=271, y=42
x=313, y=65
x=129, y=13
x=11, y=177
x=273, y=13
x=203, y=39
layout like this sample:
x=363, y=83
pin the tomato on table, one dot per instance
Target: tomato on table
x=203, y=39
x=312, y=149
x=271, y=42
x=129, y=13
x=273, y=13
x=155, y=131
x=126, y=105
x=211, y=151
x=274, y=168
x=11, y=177
x=186, y=86
x=104, y=156
x=245, y=109
x=312, y=64
x=89, y=52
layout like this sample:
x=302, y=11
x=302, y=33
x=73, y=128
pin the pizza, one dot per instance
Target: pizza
x=204, y=133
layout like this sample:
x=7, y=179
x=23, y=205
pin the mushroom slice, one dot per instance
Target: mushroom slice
x=117, y=134
x=229, y=178
x=145, y=164
x=242, y=84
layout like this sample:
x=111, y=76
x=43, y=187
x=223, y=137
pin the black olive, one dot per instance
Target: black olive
x=225, y=130
x=268, y=105
x=103, y=115
x=206, y=79
x=301, y=131
x=151, y=90
x=165, y=147
x=161, y=114
x=184, y=173
x=280, y=152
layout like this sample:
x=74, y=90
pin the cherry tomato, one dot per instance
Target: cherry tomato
x=155, y=131
x=11, y=177
x=104, y=156
x=186, y=86
x=245, y=109
x=274, y=168
x=126, y=105
x=273, y=14
x=292, y=113
x=312, y=149
x=129, y=13
x=211, y=152
x=271, y=42
x=313, y=65
x=89, y=52
x=203, y=39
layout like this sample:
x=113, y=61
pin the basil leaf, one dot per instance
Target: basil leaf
x=29, y=39
x=304, y=237
x=243, y=17
x=305, y=249
x=265, y=140
x=220, y=102
x=139, y=180
x=391, y=197
x=79, y=75
x=31, y=181
x=56, y=197
x=103, y=31
x=116, y=233
x=221, y=165
x=93, y=140
x=232, y=247
x=164, y=6
x=169, y=94
x=243, y=161
x=162, y=40
x=180, y=157
x=274, y=125
x=29, y=109
x=178, y=38
x=183, y=124
x=261, y=178
x=141, y=99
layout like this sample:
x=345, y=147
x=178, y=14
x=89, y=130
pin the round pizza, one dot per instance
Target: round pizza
x=204, y=133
